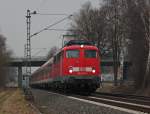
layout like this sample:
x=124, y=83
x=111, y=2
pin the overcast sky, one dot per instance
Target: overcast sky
x=13, y=22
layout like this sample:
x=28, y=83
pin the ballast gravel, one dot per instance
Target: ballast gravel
x=49, y=103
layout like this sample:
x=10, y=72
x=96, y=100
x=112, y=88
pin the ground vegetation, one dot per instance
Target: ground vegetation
x=4, y=59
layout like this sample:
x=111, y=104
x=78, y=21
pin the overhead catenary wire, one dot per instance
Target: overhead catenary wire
x=49, y=26
x=52, y=14
x=62, y=29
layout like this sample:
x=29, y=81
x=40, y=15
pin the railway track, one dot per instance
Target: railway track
x=133, y=102
x=142, y=100
x=125, y=96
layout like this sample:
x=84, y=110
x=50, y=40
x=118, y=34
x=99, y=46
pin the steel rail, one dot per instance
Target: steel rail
x=124, y=98
x=124, y=95
x=121, y=104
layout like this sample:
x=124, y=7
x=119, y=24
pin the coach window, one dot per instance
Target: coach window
x=54, y=59
x=58, y=56
x=90, y=53
x=62, y=54
x=72, y=53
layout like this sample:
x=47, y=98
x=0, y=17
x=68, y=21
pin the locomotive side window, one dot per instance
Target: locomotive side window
x=72, y=53
x=90, y=53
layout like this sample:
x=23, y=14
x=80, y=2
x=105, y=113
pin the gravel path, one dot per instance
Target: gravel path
x=57, y=104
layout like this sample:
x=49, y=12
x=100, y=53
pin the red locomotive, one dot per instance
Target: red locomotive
x=75, y=66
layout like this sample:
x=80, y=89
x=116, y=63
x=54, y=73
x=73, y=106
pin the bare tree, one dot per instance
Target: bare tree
x=4, y=57
x=139, y=40
x=145, y=16
x=116, y=29
x=90, y=24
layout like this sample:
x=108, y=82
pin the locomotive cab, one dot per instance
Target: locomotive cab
x=81, y=66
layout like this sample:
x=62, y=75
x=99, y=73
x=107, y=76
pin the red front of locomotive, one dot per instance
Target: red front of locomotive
x=81, y=63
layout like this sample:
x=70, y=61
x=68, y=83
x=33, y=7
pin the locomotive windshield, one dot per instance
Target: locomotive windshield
x=90, y=53
x=72, y=53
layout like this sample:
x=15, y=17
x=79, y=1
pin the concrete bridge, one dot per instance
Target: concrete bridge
x=38, y=61
x=20, y=62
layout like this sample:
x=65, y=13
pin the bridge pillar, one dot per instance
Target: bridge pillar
x=20, y=77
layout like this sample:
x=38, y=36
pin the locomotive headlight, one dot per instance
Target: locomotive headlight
x=70, y=70
x=93, y=70
x=82, y=46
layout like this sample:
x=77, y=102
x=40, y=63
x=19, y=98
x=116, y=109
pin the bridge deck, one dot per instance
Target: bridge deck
x=16, y=62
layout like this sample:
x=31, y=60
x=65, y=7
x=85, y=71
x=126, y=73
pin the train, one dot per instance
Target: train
x=76, y=66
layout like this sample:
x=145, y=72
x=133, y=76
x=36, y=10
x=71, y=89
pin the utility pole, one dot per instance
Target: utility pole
x=115, y=46
x=28, y=48
x=25, y=59
x=25, y=54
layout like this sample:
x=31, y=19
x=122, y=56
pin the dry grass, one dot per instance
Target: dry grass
x=15, y=103
x=4, y=94
x=110, y=88
x=123, y=89
x=145, y=92
x=106, y=88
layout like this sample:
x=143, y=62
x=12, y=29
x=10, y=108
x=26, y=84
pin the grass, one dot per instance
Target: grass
x=13, y=102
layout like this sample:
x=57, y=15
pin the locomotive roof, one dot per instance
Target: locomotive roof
x=79, y=46
x=79, y=42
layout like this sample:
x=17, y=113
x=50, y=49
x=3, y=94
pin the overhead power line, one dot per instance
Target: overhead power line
x=62, y=29
x=46, y=28
x=52, y=14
